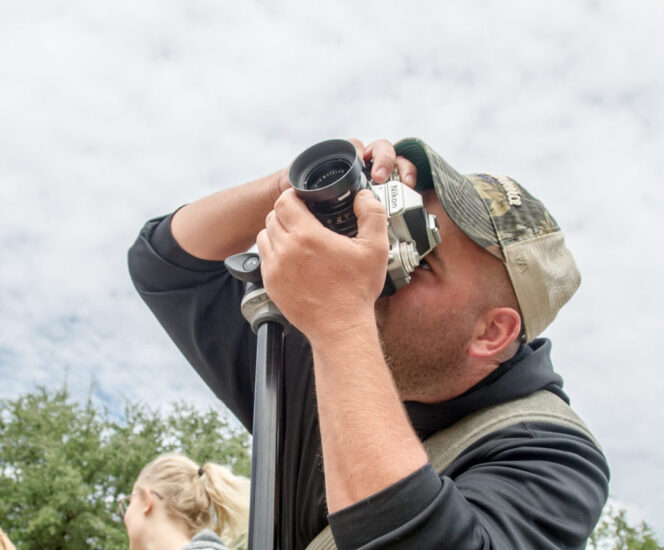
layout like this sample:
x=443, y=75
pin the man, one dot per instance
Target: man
x=387, y=374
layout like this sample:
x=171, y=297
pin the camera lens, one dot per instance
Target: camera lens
x=326, y=177
x=325, y=174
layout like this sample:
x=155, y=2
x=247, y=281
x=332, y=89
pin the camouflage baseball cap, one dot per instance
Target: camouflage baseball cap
x=503, y=218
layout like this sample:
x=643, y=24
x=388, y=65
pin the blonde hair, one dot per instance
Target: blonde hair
x=209, y=496
x=5, y=543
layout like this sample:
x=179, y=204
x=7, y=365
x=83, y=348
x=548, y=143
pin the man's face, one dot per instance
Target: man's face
x=426, y=326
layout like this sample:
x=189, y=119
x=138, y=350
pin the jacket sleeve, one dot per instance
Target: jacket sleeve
x=524, y=487
x=198, y=304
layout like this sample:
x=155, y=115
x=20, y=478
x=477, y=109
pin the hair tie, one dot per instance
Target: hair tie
x=200, y=471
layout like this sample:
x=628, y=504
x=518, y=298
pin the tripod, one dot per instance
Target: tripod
x=270, y=326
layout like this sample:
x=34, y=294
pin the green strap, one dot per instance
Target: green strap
x=444, y=446
x=323, y=541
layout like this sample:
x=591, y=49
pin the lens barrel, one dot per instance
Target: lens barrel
x=326, y=177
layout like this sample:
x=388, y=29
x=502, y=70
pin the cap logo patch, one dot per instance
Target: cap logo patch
x=511, y=189
x=521, y=263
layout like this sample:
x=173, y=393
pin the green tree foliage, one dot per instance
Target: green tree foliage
x=63, y=464
x=614, y=533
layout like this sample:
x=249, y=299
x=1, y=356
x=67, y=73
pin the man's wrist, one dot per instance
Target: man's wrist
x=350, y=330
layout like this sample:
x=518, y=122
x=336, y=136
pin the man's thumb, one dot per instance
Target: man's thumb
x=371, y=217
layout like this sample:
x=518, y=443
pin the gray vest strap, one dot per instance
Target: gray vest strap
x=444, y=446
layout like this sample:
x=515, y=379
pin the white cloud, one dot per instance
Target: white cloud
x=113, y=114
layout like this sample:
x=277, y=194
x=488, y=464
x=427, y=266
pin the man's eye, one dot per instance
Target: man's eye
x=425, y=265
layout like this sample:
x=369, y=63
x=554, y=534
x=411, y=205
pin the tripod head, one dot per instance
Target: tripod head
x=257, y=307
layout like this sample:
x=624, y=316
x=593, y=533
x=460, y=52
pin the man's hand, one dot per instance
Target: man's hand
x=384, y=160
x=323, y=281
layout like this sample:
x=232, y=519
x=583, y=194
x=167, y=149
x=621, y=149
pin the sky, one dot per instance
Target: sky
x=113, y=113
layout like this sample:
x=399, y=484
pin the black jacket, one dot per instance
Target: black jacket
x=531, y=486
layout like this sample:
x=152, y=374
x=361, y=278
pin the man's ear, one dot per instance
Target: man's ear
x=494, y=332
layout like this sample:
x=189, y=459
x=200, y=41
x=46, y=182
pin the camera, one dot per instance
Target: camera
x=328, y=175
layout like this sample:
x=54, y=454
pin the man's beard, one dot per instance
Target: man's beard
x=426, y=356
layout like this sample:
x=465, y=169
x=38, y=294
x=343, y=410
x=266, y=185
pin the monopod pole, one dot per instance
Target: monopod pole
x=270, y=326
x=265, y=463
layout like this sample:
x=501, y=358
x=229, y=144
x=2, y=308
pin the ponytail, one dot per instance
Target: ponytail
x=205, y=497
x=230, y=499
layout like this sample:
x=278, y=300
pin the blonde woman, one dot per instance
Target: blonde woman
x=5, y=543
x=177, y=505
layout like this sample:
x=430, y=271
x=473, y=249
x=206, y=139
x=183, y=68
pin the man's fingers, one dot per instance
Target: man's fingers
x=407, y=171
x=385, y=159
x=371, y=217
x=383, y=155
x=276, y=232
x=263, y=243
x=291, y=211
